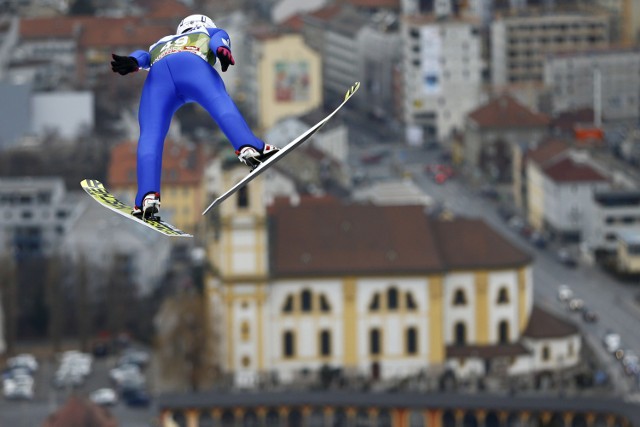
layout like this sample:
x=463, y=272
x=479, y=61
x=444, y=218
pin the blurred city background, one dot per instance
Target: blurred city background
x=458, y=247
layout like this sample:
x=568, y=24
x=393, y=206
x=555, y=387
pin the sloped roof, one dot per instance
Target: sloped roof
x=182, y=164
x=486, y=351
x=543, y=324
x=326, y=13
x=95, y=31
x=168, y=9
x=294, y=23
x=329, y=239
x=122, y=34
x=467, y=243
x=506, y=112
x=567, y=120
x=77, y=411
x=546, y=151
x=64, y=26
x=569, y=170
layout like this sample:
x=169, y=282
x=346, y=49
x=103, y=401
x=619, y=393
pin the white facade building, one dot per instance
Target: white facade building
x=35, y=213
x=442, y=74
x=569, y=79
x=560, y=192
x=611, y=215
x=68, y=114
x=342, y=64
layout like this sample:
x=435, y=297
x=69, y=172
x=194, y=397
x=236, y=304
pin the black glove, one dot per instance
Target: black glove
x=124, y=64
x=225, y=57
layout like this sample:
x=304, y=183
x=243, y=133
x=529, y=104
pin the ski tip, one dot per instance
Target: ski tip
x=352, y=90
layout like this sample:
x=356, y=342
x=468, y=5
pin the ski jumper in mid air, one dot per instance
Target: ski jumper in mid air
x=180, y=71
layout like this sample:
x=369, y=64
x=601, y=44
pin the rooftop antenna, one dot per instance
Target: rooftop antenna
x=597, y=98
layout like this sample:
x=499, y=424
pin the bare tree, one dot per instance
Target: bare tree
x=82, y=304
x=116, y=294
x=184, y=341
x=9, y=299
x=54, y=300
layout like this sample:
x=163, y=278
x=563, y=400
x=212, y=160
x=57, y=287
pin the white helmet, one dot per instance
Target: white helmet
x=192, y=22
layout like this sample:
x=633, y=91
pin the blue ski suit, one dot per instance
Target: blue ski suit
x=180, y=71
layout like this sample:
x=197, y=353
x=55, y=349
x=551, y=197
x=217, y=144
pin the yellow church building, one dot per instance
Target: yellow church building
x=381, y=291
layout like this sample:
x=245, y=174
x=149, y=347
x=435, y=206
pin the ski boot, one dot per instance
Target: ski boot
x=150, y=207
x=253, y=157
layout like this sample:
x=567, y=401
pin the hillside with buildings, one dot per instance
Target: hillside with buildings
x=459, y=246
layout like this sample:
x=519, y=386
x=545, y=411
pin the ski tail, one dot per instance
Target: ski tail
x=352, y=90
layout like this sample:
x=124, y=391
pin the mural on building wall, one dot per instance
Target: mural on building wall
x=292, y=81
x=430, y=50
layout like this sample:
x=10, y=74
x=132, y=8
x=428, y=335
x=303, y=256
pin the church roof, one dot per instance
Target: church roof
x=567, y=170
x=506, y=112
x=543, y=324
x=326, y=238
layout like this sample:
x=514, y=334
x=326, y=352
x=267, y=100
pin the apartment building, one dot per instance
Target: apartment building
x=520, y=44
x=336, y=33
x=35, y=213
x=350, y=39
x=612, y=215
x=559, y=190
x=76, y=50
x=442, y=73
x=609, y=78
x=283, y=77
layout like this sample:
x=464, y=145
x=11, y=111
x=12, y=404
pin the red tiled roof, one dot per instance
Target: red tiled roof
x=567, y=120
x=568, y=170
x=506, y=112
x=181, y=164
x=121, y=34
x=294, y=23
x=80, y=412
x=389, y=4
x=466, y=244
x=95, y=31
x=334, y=239
x=58, y=27
x=327, y=13
x=168, y=9
x=543, y=324
x=546, y=151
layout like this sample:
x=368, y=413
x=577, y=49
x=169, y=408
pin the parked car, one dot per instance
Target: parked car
x=20, y=388
x=631, y=363
x=27, y=361
x=538, y=240
x=589, y=315
x=576, y=304
x=564, y=293
x=104, y=397
x=565, y=258
x=611, y=342
x=134, y=357
x=128, y=372
x=135, y=397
